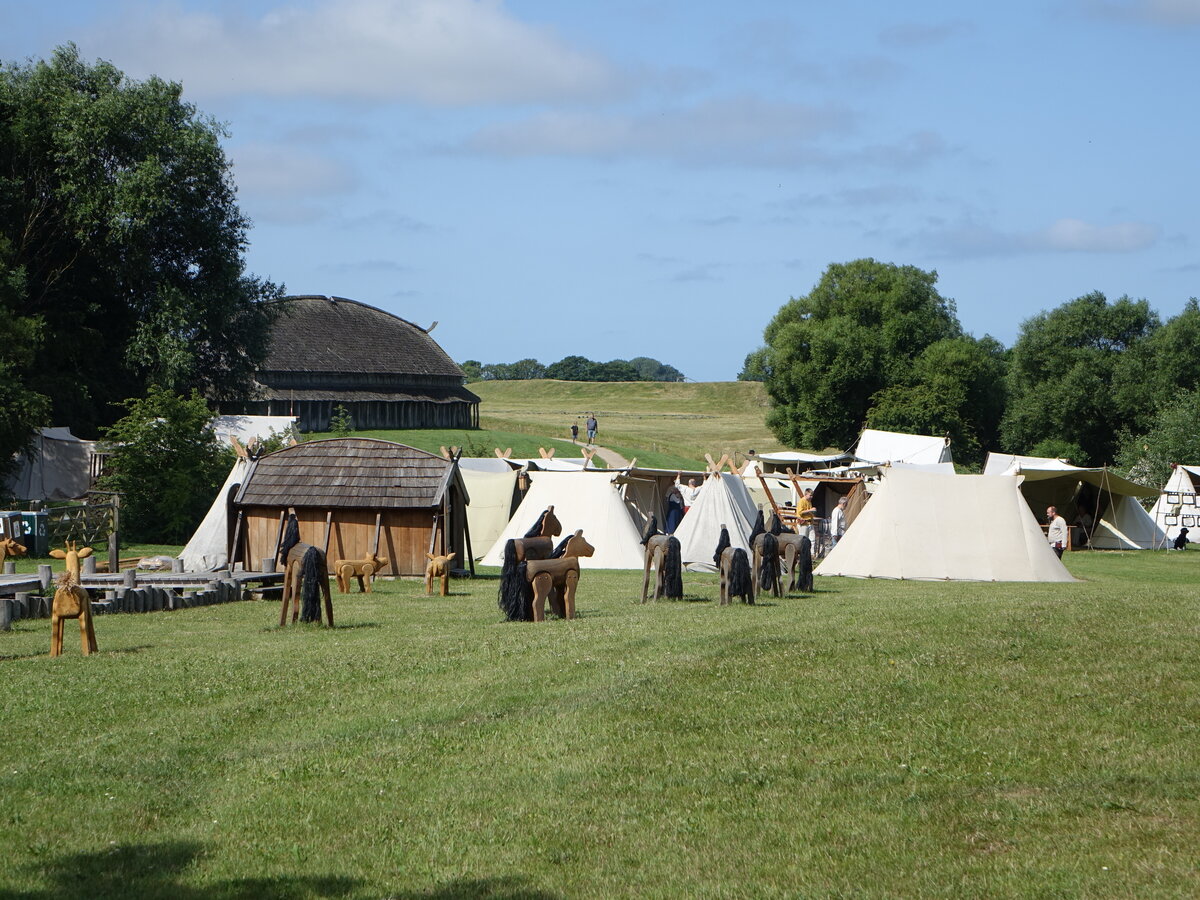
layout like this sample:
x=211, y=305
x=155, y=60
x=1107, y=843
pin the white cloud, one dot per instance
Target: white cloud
x=280, y=182
x=739, y=130
x=439, y=52
x=1169, y=13
x=970, y=239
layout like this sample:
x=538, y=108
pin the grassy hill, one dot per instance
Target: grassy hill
x=682, y=420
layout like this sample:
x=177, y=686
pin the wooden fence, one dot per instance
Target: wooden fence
x=88, y=523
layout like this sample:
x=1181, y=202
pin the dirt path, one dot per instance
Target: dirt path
x=612, y=458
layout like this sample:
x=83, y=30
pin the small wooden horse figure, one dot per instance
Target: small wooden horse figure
x=305, y=577
x=9, y=547
x=664, y=554
x=796, y=552
x=524, y=592
x=734, y=565
x=71, y=601
x=765, y=571
x=438, y=569
x=362, y=569
x=538, y=542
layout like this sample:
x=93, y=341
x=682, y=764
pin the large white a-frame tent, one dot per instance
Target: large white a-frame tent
x=1079, y=493
x=723, y=501
x=584, y=499
x=933, y=527
x=1178, y=506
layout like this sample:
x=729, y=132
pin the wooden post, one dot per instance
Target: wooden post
x=236, y=548
x=279, y=536
x=378, y=528
x=114, y=536
x=328, y=531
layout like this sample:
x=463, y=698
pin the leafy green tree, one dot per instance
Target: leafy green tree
x=571, y=368
x=22, y=409
x=854, y=335
x=473, y=369
x=341, y=423
x=614, y=370
x=1170, y=437
x=1062, y=371
x=956, y=388
x=1156, y=369
x=527, y=370
x=120, y=236
x=756, y=366
x=649, y=369
x=166, y=463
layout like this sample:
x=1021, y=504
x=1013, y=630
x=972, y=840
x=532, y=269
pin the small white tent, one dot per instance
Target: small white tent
x=1178, y=505
x=586, y=499
x=1079, y=493
x=927, y=526
x=490, y=486
x=723, y=500
x=208, y=548
x=881, y=447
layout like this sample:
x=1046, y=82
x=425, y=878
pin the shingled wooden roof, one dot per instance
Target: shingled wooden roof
x=333, y=334
x=347, y=473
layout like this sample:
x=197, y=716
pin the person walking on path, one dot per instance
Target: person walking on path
x=575, y=432
x=591, y=428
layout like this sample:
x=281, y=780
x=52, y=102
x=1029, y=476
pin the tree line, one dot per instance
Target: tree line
x=875, y=345
x=573, y=368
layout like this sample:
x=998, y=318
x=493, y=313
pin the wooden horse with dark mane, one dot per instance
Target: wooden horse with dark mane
x=765, y=571
x=538, y=542
x=796, y=552
x=9, y=547
x=525, y=591
x=72, y=601
x=305, y=578
x=734, y=565
x=663, y=553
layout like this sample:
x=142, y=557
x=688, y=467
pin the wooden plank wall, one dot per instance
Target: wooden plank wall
x=403, y=538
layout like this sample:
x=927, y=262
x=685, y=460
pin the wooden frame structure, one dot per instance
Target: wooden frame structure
x=353, y=497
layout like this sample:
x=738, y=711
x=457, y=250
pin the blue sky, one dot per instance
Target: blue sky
x=618, y=179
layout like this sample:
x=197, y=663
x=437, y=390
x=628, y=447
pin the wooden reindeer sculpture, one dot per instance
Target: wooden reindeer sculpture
x=305, y=577
x=71, y=601
x=796, y=552
x=363, y=569
x=664, y=554
x=765, y=571
x=9, y=547
x=734, y=565
x=438, y=569
x=524, y=592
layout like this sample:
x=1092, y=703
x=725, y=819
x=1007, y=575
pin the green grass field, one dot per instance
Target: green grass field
x=874, y=739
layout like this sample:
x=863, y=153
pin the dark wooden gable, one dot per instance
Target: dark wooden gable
x=348, y=473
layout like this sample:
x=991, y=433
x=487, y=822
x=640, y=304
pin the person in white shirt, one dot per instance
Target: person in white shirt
x=1056, y=534
x=690, y=491
x=837, y=523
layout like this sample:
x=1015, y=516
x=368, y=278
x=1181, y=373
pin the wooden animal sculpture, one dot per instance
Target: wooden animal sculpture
x=71, y=601
x=438, y=569
x=796, y=552
x=734, y=565
x=305, y=578
x=9, y=547
x=663, y=553
x=362, y=569
x=525, y=591
x=765, y=567
x=538, y=542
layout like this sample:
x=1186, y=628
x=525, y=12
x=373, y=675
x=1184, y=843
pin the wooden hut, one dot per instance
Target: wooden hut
x=387, y=372
x=353, y=496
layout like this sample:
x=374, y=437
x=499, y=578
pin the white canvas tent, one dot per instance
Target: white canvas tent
x=586, y=499
x=882, y=447
x=490, y=485
x=208, y=548
x=1079, y=493
x=723, y=500
x=928, y=526
x=59, y=467
x=1178, y=505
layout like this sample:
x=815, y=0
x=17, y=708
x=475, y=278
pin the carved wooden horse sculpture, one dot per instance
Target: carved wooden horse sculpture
x=438, y=569
x=765, y=570
x=362, y=569
x=305, y=578
x=796, y=552
x=525, y=590
x=734, y=565
x=9, y=547
x=538, y=542
x=71, y=601
x=664, y=554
